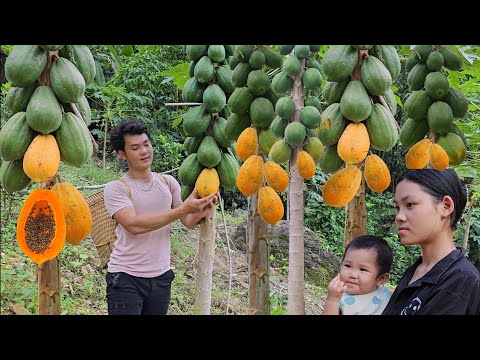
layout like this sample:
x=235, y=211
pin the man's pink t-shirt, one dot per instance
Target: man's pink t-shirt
x=145, y=255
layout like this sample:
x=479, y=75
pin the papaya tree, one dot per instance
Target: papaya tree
x=442, y=80
x=359, y=116
x=47, y=125
x=209, y=164
x=298, y=114
x=252, y=111
x=431, y=109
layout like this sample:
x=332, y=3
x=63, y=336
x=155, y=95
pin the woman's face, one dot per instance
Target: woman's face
x=417, y=214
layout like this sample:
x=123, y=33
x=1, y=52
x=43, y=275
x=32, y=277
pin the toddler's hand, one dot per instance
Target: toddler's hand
x=336, y=288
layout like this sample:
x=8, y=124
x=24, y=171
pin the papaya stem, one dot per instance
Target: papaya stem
x=75, y=110
x=44, y=78
x=356, y=71
x=47, y=185
x=384, y=103
x=231, y=153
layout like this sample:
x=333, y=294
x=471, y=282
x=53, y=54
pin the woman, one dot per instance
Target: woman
x=429, y=203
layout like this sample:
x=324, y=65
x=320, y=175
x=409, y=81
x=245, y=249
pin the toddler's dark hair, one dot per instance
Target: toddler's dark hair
x=380, y=246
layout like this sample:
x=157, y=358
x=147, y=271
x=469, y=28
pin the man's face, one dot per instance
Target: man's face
x=138, y=152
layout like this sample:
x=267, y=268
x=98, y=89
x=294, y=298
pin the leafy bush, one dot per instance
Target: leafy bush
x=403, y=256
x=167, y=153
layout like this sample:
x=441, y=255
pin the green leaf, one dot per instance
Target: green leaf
x=115, y=55
x=399, y=102
x=127, y=50
x=177, y=120
x=277, y=311
x=466, y=171
x=179, y=74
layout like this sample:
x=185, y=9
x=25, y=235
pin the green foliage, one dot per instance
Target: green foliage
x=278, y=303
x=474, y=233
x=233, y=199
x=6, y=49
x=178, y=74
x=403, y=256
x=4, y=112
x=167, y=154
x=326, y=221
x=140, y=74
x=381, y=212
x=14, y=293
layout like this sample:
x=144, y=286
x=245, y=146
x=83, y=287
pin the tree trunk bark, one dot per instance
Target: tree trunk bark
x=258, y=267
x=3, y=58
x=48, y=277
x=206, y=253
x=356, y=215
x=467, y=226
x=296, y=255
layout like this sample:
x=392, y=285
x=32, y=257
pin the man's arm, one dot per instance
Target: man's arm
x=191, y=211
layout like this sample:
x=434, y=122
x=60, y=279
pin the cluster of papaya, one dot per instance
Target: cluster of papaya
x=208, y=164
x=48, y=124
x=255, y=171
x=360, y=115
x=45, y=81
x=253, y=101
x=431, y=109
x=252, y=107
x=292, y=133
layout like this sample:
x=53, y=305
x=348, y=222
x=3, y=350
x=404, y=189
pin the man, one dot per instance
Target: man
x=144, y=204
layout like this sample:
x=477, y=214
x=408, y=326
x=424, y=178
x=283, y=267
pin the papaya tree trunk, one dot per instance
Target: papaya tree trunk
x=258, y=267
x=356, y=215
x=48, y=277
x=206, y=253
x=296, y=255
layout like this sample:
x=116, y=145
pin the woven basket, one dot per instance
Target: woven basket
x=103, y=229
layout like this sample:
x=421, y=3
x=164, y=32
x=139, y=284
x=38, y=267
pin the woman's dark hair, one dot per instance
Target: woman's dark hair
x=126, y=126
x=439, y=184
x=380, y=246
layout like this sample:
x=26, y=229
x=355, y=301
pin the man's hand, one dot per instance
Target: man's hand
x=193, y=204
x=195, y=209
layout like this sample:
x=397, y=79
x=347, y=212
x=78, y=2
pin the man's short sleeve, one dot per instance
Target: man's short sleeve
x=176, y=190
x=116, y=197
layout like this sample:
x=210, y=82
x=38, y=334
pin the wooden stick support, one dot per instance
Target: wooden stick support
x=183, y=104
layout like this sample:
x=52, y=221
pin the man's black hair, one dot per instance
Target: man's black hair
x=126, y=126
